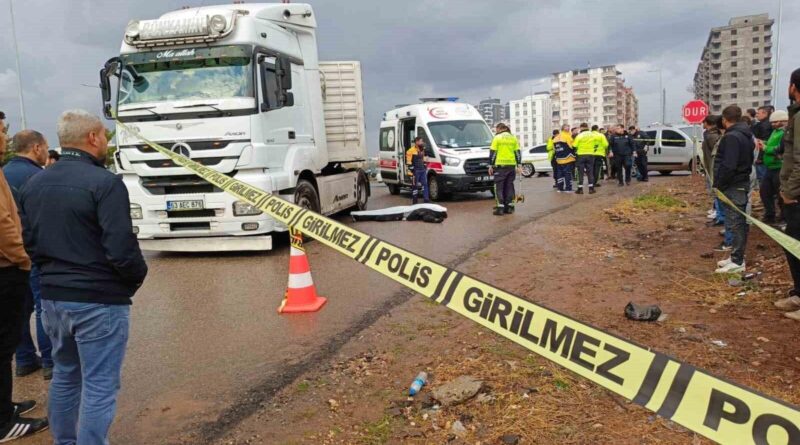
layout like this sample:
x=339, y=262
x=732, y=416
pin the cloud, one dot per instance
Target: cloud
x=466, y=48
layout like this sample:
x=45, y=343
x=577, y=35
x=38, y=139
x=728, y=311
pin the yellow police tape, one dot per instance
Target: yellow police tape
x=725, y=412
x=787, y=242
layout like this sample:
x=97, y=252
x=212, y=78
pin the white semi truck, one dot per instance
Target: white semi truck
x=237, y=88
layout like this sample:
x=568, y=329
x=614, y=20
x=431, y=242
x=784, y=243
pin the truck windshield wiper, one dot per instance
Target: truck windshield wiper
x=203, y=105
x=150, y=109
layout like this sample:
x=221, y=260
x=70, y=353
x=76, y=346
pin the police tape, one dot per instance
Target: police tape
x=722, y=411
x=787, y=242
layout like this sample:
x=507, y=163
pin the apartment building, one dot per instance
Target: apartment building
x=593, y=95
x=492, y=110
x=736, y=64
x=530, y=119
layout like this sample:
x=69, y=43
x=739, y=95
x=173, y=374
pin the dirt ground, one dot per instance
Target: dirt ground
x=587, y=261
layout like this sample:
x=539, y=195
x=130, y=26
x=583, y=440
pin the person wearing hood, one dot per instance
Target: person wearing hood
x=732, y=168
x=771, y=181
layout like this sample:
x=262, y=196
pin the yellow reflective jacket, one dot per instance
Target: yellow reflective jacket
x=505, y=149
x=586, y=144
x=602, y=143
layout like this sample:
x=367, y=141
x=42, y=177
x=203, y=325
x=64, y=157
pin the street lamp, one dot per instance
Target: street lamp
x=777, y=54
x=662, y=94
x=19, y=73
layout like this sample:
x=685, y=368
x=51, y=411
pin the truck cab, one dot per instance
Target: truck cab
x=239, y=89
x=457, y=142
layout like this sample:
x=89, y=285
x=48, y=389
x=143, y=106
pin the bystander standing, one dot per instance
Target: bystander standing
x=771, y=180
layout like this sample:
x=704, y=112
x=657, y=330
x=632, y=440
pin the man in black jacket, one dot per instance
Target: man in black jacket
x=622, y=148
x=733, y=166
x=78, y=232
x=640, y=156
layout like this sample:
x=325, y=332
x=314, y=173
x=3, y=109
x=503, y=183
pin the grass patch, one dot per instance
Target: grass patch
x=378, y=432
x=657, y=201
x=303, y=387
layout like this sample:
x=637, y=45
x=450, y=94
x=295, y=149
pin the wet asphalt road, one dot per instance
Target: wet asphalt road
x=207, y=346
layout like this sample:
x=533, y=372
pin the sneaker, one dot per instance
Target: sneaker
x=23, y=371
x=20, y=427
x=793, y=315
x=711, y=211
x=724, y=262
x=722, y=232
x=620, y=185
x=791, y=303
x=731, y=268
x=509, y=210
x=579, y=191
x=23, y=407
x=712, y=215
x=498, y=211
x=597, y=185
x=628, y=183
x=723, y=248
x=47, y=373
x=591, y=191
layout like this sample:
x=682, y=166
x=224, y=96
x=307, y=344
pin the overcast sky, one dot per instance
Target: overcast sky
x=409, y=49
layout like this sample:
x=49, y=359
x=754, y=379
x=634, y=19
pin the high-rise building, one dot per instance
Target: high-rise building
x=492, y=110
x=736, y=64
x=530, y=119
x=597, y=96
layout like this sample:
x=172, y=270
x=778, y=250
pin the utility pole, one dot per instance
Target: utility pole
x=19, y=73
x=662, y=94
x=777, y=54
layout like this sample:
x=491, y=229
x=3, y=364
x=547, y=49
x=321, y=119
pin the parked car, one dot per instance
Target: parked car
x=534, y=160
x=669, y=149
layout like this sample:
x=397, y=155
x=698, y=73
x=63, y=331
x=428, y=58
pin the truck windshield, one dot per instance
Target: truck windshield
x=461, y=134
x=186, y=74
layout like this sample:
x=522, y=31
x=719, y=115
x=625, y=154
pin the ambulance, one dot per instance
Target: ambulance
x=457, y=141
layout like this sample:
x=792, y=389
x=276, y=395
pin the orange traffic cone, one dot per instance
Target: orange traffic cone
x=301, y=294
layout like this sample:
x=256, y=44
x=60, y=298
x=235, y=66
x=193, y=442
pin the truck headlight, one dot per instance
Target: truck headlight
x=136, y=211
x=132, y=30
x=451, y=161
x=217, y=23
x=244, y=209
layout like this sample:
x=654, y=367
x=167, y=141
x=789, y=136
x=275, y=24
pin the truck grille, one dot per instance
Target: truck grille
x=175, y=185
x=195, y=145
x=177, y=227
x=477, y=166
x=167, y=163
x=205, y=213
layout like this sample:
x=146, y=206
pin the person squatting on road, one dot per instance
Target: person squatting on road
x=415, y=160
x=790, y=192
x=586, y=146
x=15, y=267
x=31, y=156
x=732, y=168
x=504, y=159
x=564, y=156
x=769, y=188
x=622, y=149
x=77, y=229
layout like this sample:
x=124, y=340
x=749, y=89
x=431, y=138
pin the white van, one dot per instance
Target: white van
x=457, y=141
x=669, y=149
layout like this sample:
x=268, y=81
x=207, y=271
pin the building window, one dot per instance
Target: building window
x=755, y=61
x=734, y=85
x=734, y=74
x=755, y=83
x=733, y=33
x=766, y=82
x=767, y=71
x=768, y=93
x=755, y=39
x=755, y=28
x=755, y=72
x=734, y=95
x=734, y=64
x=755, y=50
x=767, y=60
x=734, y=53
x=755, y=104
x=734, y=42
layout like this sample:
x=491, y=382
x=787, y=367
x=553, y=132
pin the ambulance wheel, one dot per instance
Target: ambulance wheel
x=434, y=189
x=394, y=189
x=306, y=196
x=528, y=170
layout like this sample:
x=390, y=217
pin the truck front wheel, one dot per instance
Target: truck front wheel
x=362, y=191
x=306, y=196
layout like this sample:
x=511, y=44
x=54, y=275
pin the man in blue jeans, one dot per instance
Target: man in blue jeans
x=78, y=232
x=32, y=154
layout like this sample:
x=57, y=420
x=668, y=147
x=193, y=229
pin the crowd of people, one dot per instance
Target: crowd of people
x=748, y=151
x=67, y=253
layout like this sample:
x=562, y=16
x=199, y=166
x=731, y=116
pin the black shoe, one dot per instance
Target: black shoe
x=498, y=211
x=20, y=427
x=579, y=191
x=628, y=183
x=509, y=210
x=620, y=185
x=47, y=373
x=591, y=190
x=23, y=407
x=769, y=220
x=22, y=371
x=597, y=185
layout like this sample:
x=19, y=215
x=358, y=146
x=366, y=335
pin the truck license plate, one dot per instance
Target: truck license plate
x=485, y=178
x=194, y=204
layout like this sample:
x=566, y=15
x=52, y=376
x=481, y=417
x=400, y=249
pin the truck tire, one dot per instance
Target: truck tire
x=306, y=196
x=362, y=191
x=394, y=189
x=665, y=172
x=528, y=170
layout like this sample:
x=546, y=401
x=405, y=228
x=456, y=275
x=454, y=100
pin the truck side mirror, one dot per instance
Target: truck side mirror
x=110, y=68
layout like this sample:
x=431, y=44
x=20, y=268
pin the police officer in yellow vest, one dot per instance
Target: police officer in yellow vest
x=505, y=159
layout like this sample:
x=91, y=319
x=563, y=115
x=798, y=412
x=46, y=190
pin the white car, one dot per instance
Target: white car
x=534, y=160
